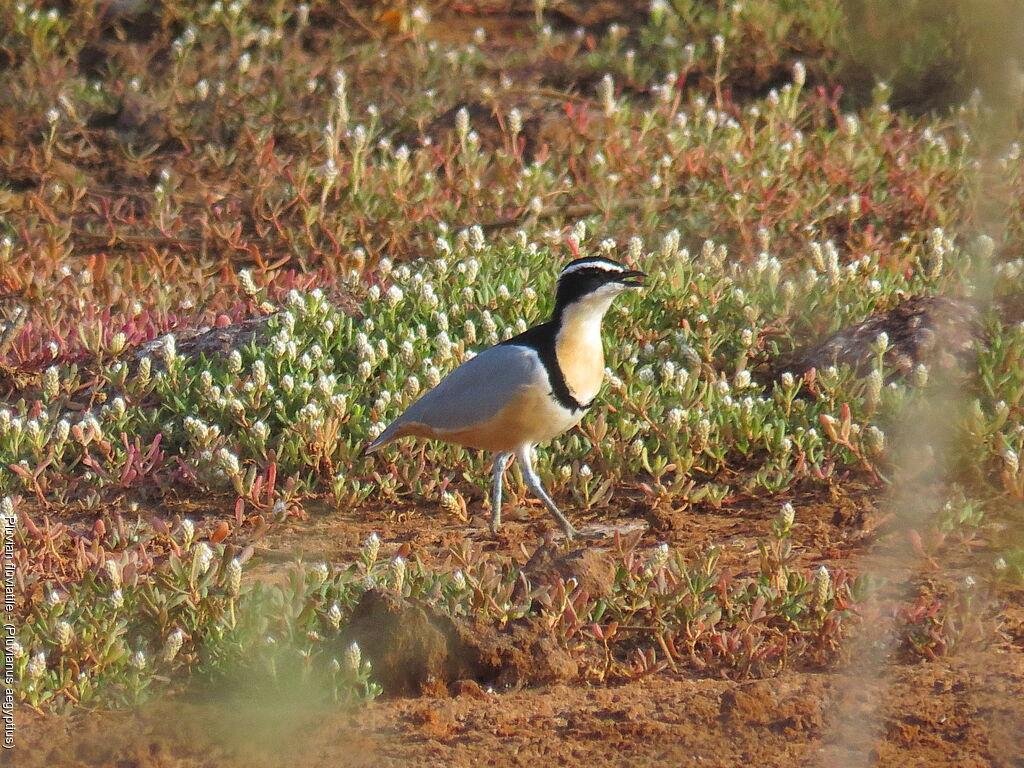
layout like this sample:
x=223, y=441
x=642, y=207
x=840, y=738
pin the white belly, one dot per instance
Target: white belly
x=553, y=419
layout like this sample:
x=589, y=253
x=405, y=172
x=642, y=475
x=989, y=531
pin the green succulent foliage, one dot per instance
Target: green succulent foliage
x=714, y=152
x=125, y=633
x=681, y=405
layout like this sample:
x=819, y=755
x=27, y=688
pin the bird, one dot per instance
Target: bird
x=526, y=390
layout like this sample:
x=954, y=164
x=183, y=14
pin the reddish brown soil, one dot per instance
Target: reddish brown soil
x=962, y=711
x=965, y=712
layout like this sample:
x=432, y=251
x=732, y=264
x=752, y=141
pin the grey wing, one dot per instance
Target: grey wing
x=473, y=393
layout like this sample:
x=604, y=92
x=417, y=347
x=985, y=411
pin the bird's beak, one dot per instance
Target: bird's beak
x=632, y=277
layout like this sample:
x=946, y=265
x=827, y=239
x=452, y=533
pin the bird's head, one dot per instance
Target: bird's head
x=594, y=280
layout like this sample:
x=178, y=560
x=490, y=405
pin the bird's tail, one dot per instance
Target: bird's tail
x=385, y=437
x=373, y=447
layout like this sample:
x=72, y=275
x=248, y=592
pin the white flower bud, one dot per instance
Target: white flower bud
x=450, y=503
x=657, y=559
x=477, y=243
x=169, y=349
x=398, y=569
x=51, y=383
x=228, y=461
x=462, y=123
x=247, y=284
x=670, y=245
x=172, y=645
x=606, y=94
x=874, y=440
x=676, y=417
x=459, y=580
x=515, y=122
x=822, y=584
x=334, y=615
x=371, y=548
x=113, y=570
x=234, y=577
x=636, y=247
x=433, y=376
x=319, y=572
x=799, y=74
x=202, y=557
x=873, y=391
x=353, y=658
x=36, y=666
x=64, y=633
x=786, y=516
x=1011, y=461
x=143, y=374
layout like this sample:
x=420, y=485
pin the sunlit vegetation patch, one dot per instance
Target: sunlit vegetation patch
x=236, y=240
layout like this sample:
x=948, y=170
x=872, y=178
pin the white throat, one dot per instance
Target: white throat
x=578, y=345
x=584, y=316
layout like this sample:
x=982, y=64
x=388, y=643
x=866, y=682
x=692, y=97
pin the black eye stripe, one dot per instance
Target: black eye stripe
x=576, y=285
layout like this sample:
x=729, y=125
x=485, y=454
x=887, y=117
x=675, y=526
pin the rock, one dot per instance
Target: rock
x=469, y=688
x=415, y=649
x=592, y=568
x=410, y=646
x=942, y=332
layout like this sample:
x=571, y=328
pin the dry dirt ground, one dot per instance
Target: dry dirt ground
x=966, y=710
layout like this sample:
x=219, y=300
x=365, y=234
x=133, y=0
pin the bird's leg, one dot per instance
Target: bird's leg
x=500, y=462
x=533, y=483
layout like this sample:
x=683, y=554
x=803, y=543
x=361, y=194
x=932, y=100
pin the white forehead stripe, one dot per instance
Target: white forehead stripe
x=607, y=266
